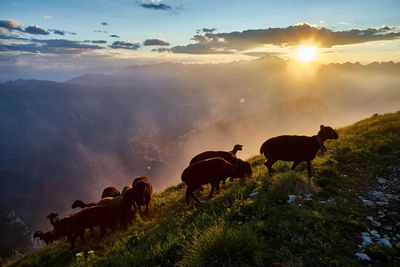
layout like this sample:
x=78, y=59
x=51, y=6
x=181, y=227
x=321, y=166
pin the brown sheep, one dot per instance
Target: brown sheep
x=228, y=156
x=110, y=192
x=81, y=204
x=107, y=192
x=296, y=148
x=236, y=148
x=47, y=237
x=143, y=192
x=211, y=171
x=75, y=224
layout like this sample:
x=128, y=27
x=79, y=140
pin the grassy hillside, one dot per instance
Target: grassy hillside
x=251, y=222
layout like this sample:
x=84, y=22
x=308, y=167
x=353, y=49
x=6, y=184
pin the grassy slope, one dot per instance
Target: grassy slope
x=234, y=228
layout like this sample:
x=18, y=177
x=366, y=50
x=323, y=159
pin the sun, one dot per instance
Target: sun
x=306, y=53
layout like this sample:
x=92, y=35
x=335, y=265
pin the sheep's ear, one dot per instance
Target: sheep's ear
x=322, y=126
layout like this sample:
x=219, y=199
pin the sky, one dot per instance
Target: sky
x=78, y=36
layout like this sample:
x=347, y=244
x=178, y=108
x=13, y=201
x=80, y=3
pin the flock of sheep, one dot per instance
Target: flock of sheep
x=210, y=167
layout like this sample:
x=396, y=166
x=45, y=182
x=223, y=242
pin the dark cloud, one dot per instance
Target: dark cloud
x=53, y=46
x=124, y=45
x=55, y=31
x=156, y=6
x=114, y=36
x=99, y=41
x=100, y=31
x=36, y=30
x=103, y=23
x=11, y=24
x=300, y=34
x=161, y=50
x=208, y=29
x=150, y=42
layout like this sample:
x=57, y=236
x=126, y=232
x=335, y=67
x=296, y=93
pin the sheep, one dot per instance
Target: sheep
x=236, y=148
x=211, y=171
x=107, y=192
x=296, y=148
x=47, y=237
x=228, y=156
x=110, y=192
x=143, y=192
x=81, y=204
x=75, y=224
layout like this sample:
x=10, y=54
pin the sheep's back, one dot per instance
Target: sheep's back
x=228, y=156
x=207, y=171
x=289, y=147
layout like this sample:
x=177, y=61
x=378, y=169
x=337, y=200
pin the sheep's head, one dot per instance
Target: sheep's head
x=53, y=217
x=327, y=132
x=38, y=234
x=238, y=147
x=78, y=203
x=243, y=169
x=129, y=196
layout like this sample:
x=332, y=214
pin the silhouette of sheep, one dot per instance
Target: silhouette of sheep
x=229, y=156
x=143, y=192
x=296, y=148
x=110, y=192
x=107, y=192
x=47, y=237
x=211, y=171
x=75, y=224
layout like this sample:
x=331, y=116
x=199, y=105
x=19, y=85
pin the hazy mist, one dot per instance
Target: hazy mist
x=67, y=141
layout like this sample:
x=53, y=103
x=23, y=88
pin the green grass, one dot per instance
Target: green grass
x=233, y=229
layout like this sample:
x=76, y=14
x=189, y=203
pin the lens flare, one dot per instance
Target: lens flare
x=306, y=53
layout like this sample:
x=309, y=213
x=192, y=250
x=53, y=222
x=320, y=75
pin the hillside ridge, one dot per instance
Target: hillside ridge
x=275, y=219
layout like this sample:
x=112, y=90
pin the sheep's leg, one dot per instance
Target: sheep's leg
x=82, y=235
x=268, y=163
x=71, y=239
x=309, y=170
x=295, y=164
x=217, y=187
x=194, y=197
x=212, y=190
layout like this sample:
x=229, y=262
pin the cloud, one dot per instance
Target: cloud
x=55, y=31
x=124, y=45
x=156, y=6
x=99, y=41
x=208, y=29
x=114, y=36
x=47, y=17
x=53, y=46
x=100, y=31
x=150, y=42
x=11, y=24
x=299, y=34
x=36, y=30
x=102, y=23
x=161, y=50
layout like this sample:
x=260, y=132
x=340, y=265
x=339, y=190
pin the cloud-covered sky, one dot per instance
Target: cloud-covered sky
x=191, y=30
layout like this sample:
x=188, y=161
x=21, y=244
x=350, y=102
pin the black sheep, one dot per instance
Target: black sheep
x=110, y=192
x=75, y=224
x=229, y=156
x=143, y=192
x=47, y=237
x=211, y=171
x=296, y=148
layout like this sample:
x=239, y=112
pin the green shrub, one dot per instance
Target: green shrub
x=287, y=183
x=223, y=245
